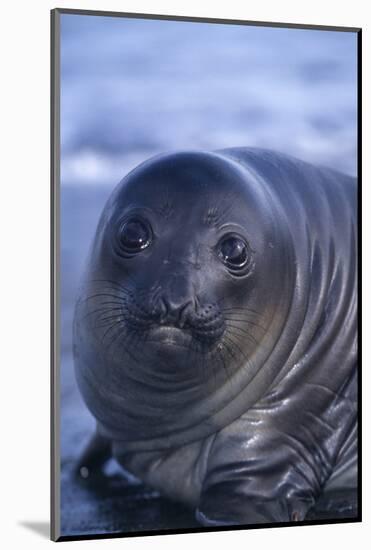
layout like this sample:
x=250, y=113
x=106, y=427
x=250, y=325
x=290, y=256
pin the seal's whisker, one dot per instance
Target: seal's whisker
x=234, y=312
x=106, y=306
x=127, y=294
x=128, y=342
x=100, y=323
x=242, y=317
x=221, y=357
x=100, y=311
x=245, y=333
x=112, y=326
x=125, y=289
x=248, y=363
x=243, y=337
x=245, y=321
x=111, y=281
x=122, y=296
x=214, y=353
x=119, y=339
x=109, y=286
x=236, y=327
x=240, y=311
x=238, y=308
x=112, y=303
x=103, y=322
x=92, y=296
x=229, y=347
x=213, y=370
x=235, y=345
x=113, y=315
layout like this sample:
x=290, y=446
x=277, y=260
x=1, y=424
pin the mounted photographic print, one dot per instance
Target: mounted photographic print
x=204, y=274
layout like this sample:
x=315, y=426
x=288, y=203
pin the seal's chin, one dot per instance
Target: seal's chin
x=170, y=335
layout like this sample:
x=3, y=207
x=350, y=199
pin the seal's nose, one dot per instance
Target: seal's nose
x=176, y=301
x=175, y=312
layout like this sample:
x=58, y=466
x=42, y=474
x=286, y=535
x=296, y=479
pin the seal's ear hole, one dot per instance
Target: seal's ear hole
x=234, y=252
x=134, y=235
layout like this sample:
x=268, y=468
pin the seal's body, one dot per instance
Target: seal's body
x=215, y=332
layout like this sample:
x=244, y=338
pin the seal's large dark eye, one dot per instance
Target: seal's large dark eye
x=234, y=252
x=135, y=235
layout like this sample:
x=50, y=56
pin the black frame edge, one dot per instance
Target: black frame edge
x=196, y=19
x=203, y=529
x=359, y=175
x=54, y=279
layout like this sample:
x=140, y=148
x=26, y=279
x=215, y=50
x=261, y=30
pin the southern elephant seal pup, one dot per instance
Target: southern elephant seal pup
x=215, y=332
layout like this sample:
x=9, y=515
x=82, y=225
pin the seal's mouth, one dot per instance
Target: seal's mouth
x=169, y=335
x=186, y=336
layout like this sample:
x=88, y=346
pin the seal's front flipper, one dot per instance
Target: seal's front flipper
x=335, y=505
x=93, y=458
x=227, y=504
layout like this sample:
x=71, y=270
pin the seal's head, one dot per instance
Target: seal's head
x=185, y=293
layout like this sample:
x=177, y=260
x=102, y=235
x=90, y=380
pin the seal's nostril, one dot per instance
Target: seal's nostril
x=162, y=310
x=158, y=310
x=184, y=313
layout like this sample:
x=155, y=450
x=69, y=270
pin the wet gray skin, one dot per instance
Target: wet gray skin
x=215, y=332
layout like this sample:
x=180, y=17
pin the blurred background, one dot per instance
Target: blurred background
x=132, y=88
